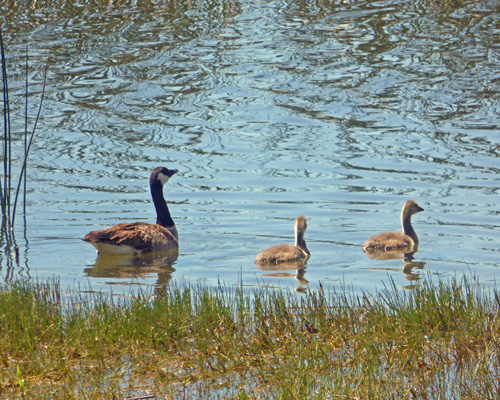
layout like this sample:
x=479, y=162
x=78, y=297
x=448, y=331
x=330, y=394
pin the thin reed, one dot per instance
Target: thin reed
x=7, y=187
x=438, y=341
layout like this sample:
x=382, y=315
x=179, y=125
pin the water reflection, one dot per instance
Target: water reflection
x=292, y=269
x=128, y=267
x=411, y=268
x=410, y=271
x=392, y=254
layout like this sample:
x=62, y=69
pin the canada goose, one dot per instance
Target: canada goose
x=141, y=237
x=285, y=253
x=405, y=240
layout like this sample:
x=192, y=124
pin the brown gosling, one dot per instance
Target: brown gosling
x=392, y=241
x=285, y=253
x=141, y=237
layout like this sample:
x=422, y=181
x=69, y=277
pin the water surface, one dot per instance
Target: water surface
x=338, y=111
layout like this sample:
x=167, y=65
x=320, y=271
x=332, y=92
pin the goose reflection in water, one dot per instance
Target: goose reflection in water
x=410, y=267
x=124, y=268
x=292, y=269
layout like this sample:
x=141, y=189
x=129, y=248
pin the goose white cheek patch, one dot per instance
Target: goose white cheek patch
x=163, y=178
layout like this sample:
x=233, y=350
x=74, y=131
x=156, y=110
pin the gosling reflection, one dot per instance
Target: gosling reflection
x=411, y=269
x=296, y=270
x=392, y=255
x=127, y=267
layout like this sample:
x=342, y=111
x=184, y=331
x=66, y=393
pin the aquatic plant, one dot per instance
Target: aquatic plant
x=7, y=187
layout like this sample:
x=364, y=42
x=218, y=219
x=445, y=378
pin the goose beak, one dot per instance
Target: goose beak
x=174, y=171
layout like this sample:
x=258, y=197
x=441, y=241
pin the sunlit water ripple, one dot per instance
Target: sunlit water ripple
x=270, y=110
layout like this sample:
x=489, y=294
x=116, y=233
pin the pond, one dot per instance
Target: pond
x=339, y=111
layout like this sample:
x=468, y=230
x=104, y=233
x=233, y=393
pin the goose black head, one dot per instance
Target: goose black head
x=161, y=175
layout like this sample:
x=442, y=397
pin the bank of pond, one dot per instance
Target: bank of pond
x=439, y=340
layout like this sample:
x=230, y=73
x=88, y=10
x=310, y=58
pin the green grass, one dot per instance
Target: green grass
x=438, y=341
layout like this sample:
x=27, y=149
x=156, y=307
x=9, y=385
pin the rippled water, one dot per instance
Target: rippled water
x=335, y=110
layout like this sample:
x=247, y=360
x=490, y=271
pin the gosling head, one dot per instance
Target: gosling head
x=410, y=208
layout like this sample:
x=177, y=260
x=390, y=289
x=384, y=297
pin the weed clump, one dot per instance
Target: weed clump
x=437, y=340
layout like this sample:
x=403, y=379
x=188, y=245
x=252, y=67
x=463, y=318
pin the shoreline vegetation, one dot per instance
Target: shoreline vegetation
x=440, y=340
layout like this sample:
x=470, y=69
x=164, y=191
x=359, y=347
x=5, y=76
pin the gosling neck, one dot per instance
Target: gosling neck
x=300, y=242
x=407, y=227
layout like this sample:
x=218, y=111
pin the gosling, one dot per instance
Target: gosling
x=393, y=241
x=285, y=253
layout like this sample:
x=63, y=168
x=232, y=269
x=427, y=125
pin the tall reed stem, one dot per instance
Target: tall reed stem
x=6, y=138
x=9, y=208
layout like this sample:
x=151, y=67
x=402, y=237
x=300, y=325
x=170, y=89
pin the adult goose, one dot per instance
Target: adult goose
x=285, y=253
x=141, y=237
x=393, y=241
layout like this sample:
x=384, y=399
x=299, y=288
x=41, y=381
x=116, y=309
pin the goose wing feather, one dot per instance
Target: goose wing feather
x=139, y=235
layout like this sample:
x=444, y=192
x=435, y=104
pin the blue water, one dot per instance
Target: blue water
x=336, y=111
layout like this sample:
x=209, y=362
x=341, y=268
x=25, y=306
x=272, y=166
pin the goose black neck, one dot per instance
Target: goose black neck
x=163, y=217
